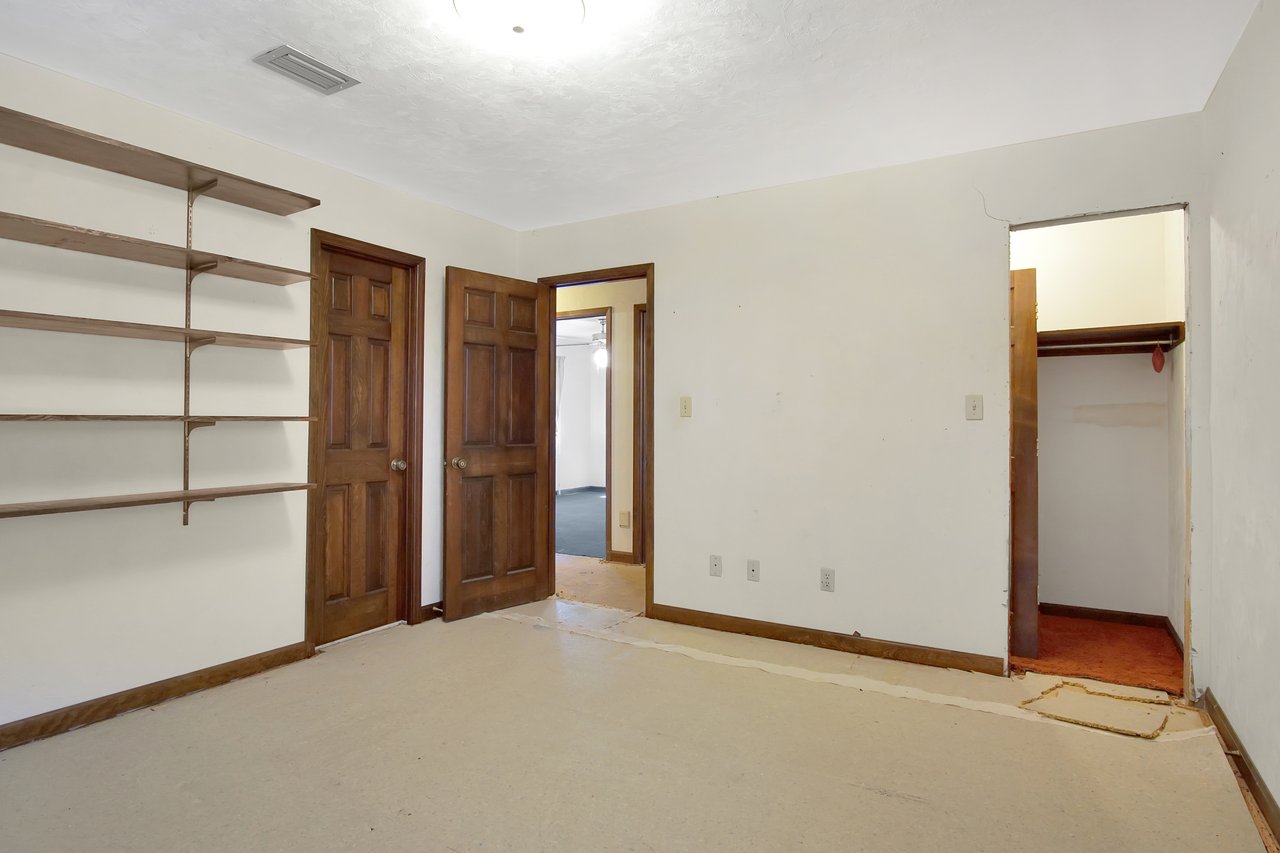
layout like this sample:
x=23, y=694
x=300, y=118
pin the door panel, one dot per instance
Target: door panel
x=364, y=333
x=1024, y=598
x=497, y=412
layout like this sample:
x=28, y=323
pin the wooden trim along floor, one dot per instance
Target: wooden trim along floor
x=106, y=707
x=1267, y=810
x=830, y=640
x=1123, y=617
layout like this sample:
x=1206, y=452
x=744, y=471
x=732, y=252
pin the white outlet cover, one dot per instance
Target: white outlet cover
x=753, y=570
x=717, y=566
x=973, y=407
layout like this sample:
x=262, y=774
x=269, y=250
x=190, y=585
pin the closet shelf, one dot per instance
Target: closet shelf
x=66, y=143
x=195, y=419
x=142, y=331
x=186, y=496
x=1110, y=340
x=42, y=232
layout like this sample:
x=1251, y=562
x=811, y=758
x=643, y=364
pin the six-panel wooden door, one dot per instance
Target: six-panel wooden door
x=363, y=332
x=497, y=457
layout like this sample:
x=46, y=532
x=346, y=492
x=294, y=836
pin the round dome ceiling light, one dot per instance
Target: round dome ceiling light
x=533, y=18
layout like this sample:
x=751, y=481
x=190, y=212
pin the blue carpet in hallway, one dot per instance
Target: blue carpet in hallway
x=580, y=523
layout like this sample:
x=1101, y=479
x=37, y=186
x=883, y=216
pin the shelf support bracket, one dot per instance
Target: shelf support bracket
x=193, y=424
x=197, y=269
x=186, y=508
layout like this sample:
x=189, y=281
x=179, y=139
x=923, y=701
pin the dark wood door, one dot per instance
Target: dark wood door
x=1024, y=596
x=361, y=327
x=497, y=442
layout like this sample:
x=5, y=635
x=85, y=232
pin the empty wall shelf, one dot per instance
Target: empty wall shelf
x=45, y=233
x=191, y=419
x=67, y=143
x=185, y=496
x=77, y=146
x=143, y=331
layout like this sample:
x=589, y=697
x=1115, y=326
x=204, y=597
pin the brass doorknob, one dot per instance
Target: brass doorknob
x=398, y=465
x=459, y=462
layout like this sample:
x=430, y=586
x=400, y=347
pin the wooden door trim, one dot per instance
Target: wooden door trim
x=586, y=313
x=644, y=271
x=639, y=319
x=410, y=590
x=1024, y=571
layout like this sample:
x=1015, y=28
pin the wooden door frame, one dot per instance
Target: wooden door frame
x=587, y=313
x=410, y=591
x=639, y=454
x=635, y=271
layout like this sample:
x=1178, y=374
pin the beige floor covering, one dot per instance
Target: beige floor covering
x=595, y=581
x=576, y=728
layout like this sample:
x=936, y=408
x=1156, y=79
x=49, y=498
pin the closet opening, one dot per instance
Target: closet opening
x=1099, y=471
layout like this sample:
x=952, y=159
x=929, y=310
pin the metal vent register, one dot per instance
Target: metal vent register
x=307, y=70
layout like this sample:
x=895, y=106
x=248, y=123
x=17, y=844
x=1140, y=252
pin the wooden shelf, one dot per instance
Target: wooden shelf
x=67, y=143
x=42, y=232
x=148, y=499
x=142, y=331
x=201, y=419
x=1110, y=340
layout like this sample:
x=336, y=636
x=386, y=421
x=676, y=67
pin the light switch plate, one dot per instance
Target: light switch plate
x=624, y=518
x=973, y=407
x=717, y=566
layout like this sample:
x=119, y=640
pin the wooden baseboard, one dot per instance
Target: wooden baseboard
x=830, y=640
x=432, y=611
x=95, y=710
x=1243, y=764
x=1149, y=620
x=623, y=557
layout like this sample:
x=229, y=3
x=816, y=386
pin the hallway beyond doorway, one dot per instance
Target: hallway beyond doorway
x=580, y=521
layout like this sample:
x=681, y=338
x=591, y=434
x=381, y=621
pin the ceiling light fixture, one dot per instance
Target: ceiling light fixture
x=523, y=19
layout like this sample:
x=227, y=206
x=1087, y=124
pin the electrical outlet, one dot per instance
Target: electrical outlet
x=624, y=518
x=753, y=570
x=973, y=407
x=717, y=566
x=686, y=407
x=827, y=580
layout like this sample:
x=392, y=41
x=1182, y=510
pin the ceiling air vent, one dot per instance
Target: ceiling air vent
x=307, y=70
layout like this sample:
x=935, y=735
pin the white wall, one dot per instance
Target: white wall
x=580, y=451
x=1243, y=130
x=102, y=601
x=828, y=332
x=622, y=297
x=1107, y=272
x=1104, y=483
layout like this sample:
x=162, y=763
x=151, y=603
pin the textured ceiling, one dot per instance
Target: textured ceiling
x=577, y=331
x=653, y=102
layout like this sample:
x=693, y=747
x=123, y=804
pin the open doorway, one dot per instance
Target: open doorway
x=583, y=432
x=1099, y=471
x=601, y=427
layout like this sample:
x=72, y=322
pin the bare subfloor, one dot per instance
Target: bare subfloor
x=565, y=727
x=598, y=582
